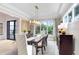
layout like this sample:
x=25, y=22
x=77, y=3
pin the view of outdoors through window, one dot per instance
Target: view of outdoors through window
x=46, y=26
x=38, y=29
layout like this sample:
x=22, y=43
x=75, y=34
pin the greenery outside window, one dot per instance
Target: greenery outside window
x=50, y=28
x=38, y=29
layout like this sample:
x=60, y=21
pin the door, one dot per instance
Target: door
x=11, y=29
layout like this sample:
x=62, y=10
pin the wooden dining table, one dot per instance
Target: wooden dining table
x=32, y=40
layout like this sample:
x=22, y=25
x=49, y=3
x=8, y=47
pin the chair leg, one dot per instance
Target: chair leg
x=42, y=50
x=46, y=42
x=36, y=51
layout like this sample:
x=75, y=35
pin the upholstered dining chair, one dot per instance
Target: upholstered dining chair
x=21, y=44
x=40, y=45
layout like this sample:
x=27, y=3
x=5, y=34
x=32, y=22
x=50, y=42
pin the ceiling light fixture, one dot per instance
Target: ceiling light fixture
x=35, y=20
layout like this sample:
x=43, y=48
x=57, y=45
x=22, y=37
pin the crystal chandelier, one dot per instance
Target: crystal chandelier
x=35, y=19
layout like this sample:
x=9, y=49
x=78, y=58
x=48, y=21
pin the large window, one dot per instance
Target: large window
x=38, y=29
x=47, y=26
x=50, y=29
x=44, y=27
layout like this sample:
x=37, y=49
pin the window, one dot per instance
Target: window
x=38, y=29
x=65, y=19
x=77, y=10
x=47, y=26
x=43, y=27
x=70, y=16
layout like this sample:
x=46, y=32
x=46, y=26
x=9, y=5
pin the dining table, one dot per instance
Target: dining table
x=29, y=46
x=32, y=40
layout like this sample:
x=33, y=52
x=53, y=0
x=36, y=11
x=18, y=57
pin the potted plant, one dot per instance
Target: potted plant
x=24, y=31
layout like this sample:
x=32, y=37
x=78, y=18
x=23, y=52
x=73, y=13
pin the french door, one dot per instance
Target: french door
x=11, y=29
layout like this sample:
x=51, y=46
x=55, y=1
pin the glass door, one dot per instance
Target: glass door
x=11, y=29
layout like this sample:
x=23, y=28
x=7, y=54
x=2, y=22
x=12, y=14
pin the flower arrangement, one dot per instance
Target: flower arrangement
x=62, y=31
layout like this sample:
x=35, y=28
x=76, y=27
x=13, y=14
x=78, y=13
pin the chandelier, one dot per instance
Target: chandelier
x=35, y=20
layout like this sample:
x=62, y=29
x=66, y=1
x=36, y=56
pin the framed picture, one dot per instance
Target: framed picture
x=1, y=28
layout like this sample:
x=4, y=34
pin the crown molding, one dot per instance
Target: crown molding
x=12, y=11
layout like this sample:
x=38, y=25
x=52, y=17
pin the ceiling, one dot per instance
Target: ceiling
x=45, y=11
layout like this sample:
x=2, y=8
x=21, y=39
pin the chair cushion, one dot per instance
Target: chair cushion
x=40, y=44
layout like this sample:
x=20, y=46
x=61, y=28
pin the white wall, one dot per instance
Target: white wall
x=4, y=21
x=3, y=36
x=73, y=28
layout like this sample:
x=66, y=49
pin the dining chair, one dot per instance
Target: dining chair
x=40, y=45
x=46, y=39
x=21, y=44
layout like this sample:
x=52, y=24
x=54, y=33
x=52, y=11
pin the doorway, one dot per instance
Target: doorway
x=11, y=29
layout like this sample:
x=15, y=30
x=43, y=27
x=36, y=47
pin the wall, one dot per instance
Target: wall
x=56, y=22
x=21, y=24
x=73, y=28
x=3, y=36
x=25, y=25
x=4, y=21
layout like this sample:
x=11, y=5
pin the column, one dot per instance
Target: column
x=19, y=25
x=54, y=28
x=40, y=28
x=34, y=30
x=47, y=27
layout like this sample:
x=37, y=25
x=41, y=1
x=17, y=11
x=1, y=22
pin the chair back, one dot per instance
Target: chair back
x=46, y=39
x=43, y=41
x=21, y=44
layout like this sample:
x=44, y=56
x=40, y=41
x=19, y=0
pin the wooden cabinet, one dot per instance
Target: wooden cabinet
x=66, y=45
